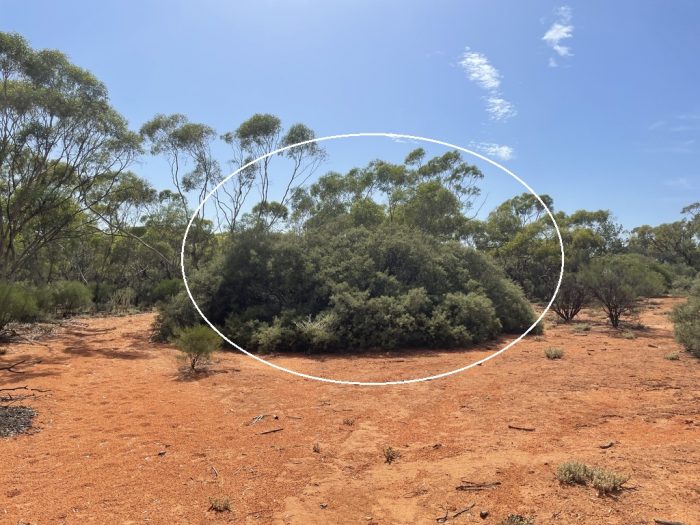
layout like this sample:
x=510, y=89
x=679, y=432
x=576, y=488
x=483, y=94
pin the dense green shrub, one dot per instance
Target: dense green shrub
x=71, y=297
x=197, y=343
x=17, y=303
x=166, y=289
x=686, y=319
x=388, y=287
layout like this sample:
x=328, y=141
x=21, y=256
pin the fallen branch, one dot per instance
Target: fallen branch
x=472, y=486
x=270, y=431
x=10, y=368
x=526, y=429
x=664, y=522
x=465, y=509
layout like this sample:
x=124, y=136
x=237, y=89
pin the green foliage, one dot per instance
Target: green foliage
x=686, y=319
x=571, y=298
x=197, y=343
x=71, y=297
x=122, y=300
x=618, y=281
x=17, y=304
x=604, y=481
x=166, y=289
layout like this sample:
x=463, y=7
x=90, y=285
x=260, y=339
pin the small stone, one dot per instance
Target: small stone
x=323, y=505
x=484, y=514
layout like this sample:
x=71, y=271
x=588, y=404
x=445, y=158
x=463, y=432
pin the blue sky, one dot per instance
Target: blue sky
x=595, y=103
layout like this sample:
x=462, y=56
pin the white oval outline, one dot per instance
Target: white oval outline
x=372, y=383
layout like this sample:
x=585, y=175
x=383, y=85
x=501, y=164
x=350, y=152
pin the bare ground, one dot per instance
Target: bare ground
x=124, y=439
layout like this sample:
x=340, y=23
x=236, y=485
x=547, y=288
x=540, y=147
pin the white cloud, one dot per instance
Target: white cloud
x=560, y=30
x=486, y=76
x=494, y=150
x=480, y=70
x=499, y=108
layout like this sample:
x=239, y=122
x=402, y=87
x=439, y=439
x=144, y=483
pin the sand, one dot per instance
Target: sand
x=122, y=437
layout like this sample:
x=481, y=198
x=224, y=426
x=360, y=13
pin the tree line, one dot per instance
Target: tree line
x=389, y=254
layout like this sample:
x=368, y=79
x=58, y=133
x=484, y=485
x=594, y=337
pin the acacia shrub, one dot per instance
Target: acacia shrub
x=71, y=297
x=355, y=288
x=686, y=319
x=17, y=304
x=618, y=281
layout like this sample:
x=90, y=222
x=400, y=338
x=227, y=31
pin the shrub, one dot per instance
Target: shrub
x=554, y=353
x=71, y=297
x=391, y=455
x=166, y=289
x=581, y=327
x=618, y=281
x=122, y=300
x=17, y=304
x=604, y=481
x=672, y=357
x=573, y=472
x=517, y=519
x=317, y=448
x=220, y=504
x=571, y=298
x=686, y=319
x=198, y=343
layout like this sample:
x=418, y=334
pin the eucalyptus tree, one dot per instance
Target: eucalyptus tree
x=257, y=138
x=63, y=149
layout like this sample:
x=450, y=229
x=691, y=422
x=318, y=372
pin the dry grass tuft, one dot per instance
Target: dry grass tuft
x=554, y=353
x=391, y=455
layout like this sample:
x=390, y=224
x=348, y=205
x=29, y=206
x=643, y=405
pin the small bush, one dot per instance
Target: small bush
x=581, y=327
x=517, y=519
x=573, y=472
x=554, y=353
x=626, y=334
x=604, y=481
x=220, y=504
x=391, y=455
x=17, y=304
x=71, y=297
x=121, y=300
x=686, y=321
x=672, y=357
x=317, y=448
x=198, y=343
x=349, y=421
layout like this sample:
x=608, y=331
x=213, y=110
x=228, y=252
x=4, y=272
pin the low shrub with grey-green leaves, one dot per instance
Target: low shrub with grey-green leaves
x=197, y=344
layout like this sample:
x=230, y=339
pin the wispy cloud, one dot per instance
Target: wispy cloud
x=486, y=76
x=562, y=29
x=494, y=150
x=680, y=182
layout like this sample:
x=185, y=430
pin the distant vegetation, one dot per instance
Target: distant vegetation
x=385, y=255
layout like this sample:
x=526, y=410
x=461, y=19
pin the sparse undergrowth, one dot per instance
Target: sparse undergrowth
x=391, y=455
x=553, y=353
x=577, y=473
x=317, y=448
x=581, y=327
x=220, y=504
x=349, y=421
x=672, y=357
x=517, y=519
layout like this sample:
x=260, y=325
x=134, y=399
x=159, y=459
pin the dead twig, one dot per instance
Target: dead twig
x=526, y=429
x=473, y=486
x=465, y=509
x=270, y=431
x=664, y=522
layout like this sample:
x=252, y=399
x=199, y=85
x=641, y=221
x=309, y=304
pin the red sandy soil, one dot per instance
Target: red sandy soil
x=116, y=401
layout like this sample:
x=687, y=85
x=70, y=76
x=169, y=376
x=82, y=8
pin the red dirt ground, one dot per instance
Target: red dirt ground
x=116, y=401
